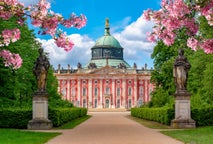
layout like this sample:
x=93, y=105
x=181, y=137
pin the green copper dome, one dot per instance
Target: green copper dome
x=107, y=41
x=107, y=50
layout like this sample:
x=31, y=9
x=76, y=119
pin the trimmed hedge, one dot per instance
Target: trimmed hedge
x=18, y=118
x=161, y=115
x=60, y=116
x=15, y=118
x=202, y=116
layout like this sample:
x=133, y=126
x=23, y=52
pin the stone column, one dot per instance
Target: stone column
x=101, y=94
x=90, y=93
x=135, y=92
x=123, y=93
x=79, y=92
x=113, y=93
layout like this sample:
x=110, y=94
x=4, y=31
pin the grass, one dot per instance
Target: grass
x=74, y=123
x=203, y=135
x=149, y=124
x=13, y=136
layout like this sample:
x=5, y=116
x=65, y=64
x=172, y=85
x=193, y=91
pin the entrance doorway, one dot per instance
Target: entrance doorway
x=107, y=103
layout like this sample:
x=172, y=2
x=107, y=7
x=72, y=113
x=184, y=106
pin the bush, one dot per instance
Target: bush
x=60, y=116
x=162, y=115
x=18, y=118
x=15, y=118
x=203, y=116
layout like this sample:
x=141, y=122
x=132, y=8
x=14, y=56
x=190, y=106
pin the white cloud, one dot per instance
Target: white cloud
x=132, y=38
x=80, y=52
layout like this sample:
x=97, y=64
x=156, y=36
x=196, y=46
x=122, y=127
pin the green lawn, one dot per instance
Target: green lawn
x=74, y=122
x=149, y=124
x=13, y=136
x=202, y=135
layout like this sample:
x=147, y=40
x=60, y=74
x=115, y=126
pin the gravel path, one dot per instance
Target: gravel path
x=111, y=128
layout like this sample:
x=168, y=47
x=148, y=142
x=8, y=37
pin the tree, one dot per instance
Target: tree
x=177, y=15
x=41, y=17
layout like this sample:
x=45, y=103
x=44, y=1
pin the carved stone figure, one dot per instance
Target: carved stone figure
x=41, y=70
x=180, y=71
x=79, y=66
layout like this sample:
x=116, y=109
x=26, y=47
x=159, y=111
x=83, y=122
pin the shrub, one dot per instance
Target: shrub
x=19, y=117
x=162, y=115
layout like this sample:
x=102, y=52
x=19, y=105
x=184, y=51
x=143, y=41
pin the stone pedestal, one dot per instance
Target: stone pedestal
x=40, y=119
x=182, y=111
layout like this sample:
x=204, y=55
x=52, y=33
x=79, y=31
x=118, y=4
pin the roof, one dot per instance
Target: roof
x=111, y=62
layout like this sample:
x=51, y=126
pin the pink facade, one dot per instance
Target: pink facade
x=105, y=87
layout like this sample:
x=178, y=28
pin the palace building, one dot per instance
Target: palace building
x=107, y=80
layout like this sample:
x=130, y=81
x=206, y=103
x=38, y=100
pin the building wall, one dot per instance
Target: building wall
x=105, y=91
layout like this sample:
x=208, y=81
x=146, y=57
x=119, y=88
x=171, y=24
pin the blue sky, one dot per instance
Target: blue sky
x=126, y=25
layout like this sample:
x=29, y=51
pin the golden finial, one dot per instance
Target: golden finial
x=107, y=23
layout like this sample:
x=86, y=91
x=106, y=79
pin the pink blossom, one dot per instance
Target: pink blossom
x=207, y=46
x=192, y=43
x=10, y=59
x=146, y=15
x=10, y=36
x=151, y=37
x=75, y=21
x=64, y=42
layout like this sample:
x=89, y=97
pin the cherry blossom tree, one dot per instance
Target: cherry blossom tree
x=42, y=17
x=176, y=15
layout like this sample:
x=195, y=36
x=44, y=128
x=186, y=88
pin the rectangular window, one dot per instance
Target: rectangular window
x=129, y=91
x=96, y=92
x=118, y=91
x=73, y=91
x=84, y=92
x=107, y=90
x=141, y=91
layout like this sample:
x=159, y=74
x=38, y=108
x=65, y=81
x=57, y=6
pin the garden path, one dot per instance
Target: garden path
x=111, y=128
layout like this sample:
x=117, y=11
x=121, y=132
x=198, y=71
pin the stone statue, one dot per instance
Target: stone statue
x=180, y=71
x=41, y=70
x=79, y=66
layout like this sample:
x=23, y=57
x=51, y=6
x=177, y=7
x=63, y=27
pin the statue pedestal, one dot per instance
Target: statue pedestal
x=182, y=111
x=40, y=119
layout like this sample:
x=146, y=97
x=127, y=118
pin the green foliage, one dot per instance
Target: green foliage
x=162, y=115
x=18, y=118
x=61, y=116
x=203, y=116
x=161, y=98
x=19, y=84
x=15, y=118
